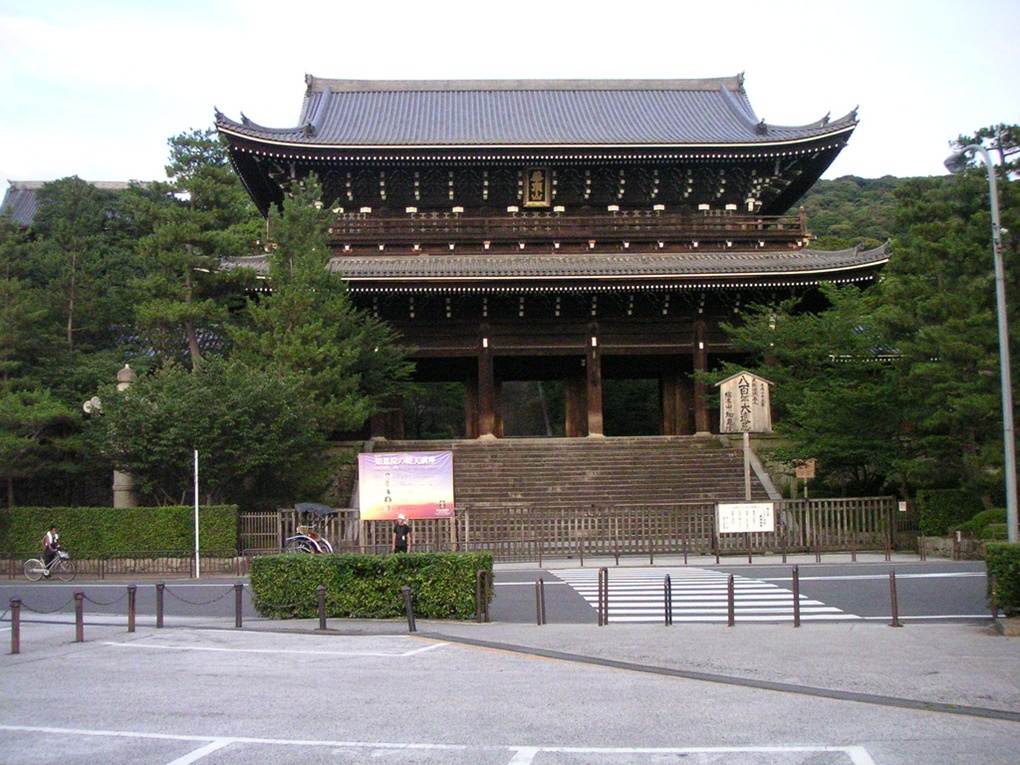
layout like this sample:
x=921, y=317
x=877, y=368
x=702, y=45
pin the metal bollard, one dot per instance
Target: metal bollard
x=888, y=546
x=616, y=551
x=541, y=544
x=540, y=601
x=79, y=617
x=715, y=544
x=580, y=551
x=685, y=549
x=818, y=548
x=15, y=625
x=796, y=596
x=132, y=594
x=749, y=561
x=320, y=593
x=853, y=549
x=730, y=605
x=651, y=551
x=786, y=543
x=667, y=593
x=922, y=548
x=956, y=546
x=159, y=604
x=894, y=604
x=993, y=602
x=479, y=578
x=603, y=609
x=409, y=608
x=238, y=602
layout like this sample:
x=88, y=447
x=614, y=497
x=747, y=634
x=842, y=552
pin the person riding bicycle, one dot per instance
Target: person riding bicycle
x=51, y=544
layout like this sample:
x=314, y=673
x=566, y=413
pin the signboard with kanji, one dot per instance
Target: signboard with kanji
x=804, y=469
x=744, y=517
x=744, y=405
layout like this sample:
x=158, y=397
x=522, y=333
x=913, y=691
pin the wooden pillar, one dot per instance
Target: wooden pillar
x=486, y=390
x=683, y=406
x=576, y=415
x=378, y=426
x=701, y=420
x=497, y=407
x=593, y=368
x=471, y=407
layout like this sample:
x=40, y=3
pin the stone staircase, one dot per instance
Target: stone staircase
x=564, y=473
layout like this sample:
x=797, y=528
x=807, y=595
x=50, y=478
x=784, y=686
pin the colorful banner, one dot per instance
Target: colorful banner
x=415, y=484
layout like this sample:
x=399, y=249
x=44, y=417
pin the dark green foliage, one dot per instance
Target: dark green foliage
x=1003, y=563
x=848, y=211
x=255, y=433
x=91, y=531
x=368, y=586
x=349, y=363
x=976, y=525
x=941, y=509
x=998, y=531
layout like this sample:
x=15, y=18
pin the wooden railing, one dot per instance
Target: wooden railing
x=425, y=228
x=525, y=533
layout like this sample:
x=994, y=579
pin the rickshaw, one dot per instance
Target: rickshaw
x=308, y=537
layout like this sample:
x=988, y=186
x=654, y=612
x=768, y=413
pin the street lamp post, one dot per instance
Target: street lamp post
x=955, y=164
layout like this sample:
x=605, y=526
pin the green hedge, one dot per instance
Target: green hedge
x=89, y=531
x=977, y=525
x=1003, y=562
x=368, y=586
x=995, y=531
x=941, y=509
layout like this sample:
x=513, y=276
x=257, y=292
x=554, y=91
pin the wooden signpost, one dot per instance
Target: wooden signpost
x=745, y=407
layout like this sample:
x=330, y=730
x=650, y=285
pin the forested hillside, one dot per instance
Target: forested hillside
x=851, y=210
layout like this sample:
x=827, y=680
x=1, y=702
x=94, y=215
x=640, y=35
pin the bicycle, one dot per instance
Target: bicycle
x=61, y=566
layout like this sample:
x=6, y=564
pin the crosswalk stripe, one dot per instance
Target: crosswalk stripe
x=698, y=595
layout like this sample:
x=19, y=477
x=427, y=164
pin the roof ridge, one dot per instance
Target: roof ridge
x=318, y=84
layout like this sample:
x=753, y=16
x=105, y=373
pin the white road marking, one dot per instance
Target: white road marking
x=523, y=754
x=697, y=595
x=289, y=652
x=883, y=577
x=201, y=752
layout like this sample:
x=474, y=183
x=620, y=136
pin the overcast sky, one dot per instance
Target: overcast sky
x=96, y=88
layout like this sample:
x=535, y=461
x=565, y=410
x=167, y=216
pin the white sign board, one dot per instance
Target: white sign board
x=743, y=517
x=744, y=405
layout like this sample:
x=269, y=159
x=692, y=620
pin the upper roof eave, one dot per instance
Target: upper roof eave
x=232, y=128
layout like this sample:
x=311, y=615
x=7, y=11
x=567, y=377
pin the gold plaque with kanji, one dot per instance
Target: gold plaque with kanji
x=537, y=187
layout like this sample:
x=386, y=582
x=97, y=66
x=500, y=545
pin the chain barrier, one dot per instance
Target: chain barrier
x=229, y=590
x=105, y=603
x=27, y=607
x=4, y=614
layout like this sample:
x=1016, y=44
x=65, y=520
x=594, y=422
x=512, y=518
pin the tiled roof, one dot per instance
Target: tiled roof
x=683, y=265
x=529, y=113
x=21, y=199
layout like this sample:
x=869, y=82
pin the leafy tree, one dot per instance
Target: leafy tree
x=204, y=215
x=33, y=430
x=351, y=363
x=255, y=434
x=834, y=396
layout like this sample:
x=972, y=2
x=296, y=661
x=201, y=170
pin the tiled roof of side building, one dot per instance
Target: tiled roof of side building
x=418, y=113
x=21, y=200
x=593, y=265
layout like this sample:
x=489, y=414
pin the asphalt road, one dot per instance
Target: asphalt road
x=935, y=590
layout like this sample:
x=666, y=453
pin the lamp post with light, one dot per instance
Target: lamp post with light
x=956, y=163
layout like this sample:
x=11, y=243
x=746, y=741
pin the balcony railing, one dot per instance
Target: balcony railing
x=637, y=226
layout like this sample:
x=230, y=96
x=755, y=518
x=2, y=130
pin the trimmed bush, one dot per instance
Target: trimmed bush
x=941, y=509
x=995, y=531
x=368, y=586
x=1003, y=562
x=976, y=525
x=92, y=531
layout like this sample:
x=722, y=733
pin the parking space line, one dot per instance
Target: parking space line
x=302, y=652
x=523, y=754
x=202, y=751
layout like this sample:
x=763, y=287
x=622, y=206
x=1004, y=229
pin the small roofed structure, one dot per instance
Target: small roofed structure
x=21, y=200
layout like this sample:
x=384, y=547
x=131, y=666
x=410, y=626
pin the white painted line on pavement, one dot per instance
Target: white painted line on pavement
x=883, y=577
x=523, y=754
x=526, y=584
x=170, y=647
x=201, y=752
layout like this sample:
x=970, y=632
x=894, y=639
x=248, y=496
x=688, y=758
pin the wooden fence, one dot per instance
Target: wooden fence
x=523, y=533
